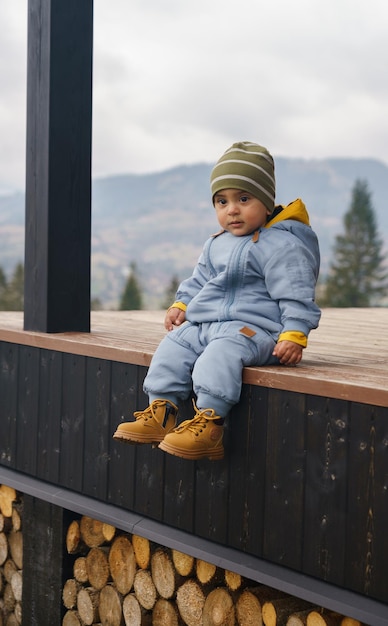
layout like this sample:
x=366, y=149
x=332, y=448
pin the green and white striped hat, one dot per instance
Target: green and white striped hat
x=249, y=167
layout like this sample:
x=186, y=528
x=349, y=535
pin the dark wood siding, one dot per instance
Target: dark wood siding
x=303, y=483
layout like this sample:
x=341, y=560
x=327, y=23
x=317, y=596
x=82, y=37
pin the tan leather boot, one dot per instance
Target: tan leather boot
x=195, y=439
x=151, y=425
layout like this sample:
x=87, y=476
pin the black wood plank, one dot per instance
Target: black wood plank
x=58, y=166
x=9, y=357
x=73, y=422
x=124, y=386
x=366, y=530
x=97, y=432
x=284, y=493
x=246, y=451
x=179, y=484
x=28, y=409
x=149, y=467
x=212, y=492
x=43, y=562
x=49, y=419
x=326, y=489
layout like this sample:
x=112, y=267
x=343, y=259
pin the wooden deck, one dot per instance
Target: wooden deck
x=347, y=356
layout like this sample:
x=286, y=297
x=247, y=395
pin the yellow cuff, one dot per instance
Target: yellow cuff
x=178, y=305
x=295, y=336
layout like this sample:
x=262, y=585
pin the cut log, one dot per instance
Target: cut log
x=79, y=570
x=17, y=585
x=163, y=573
x=277, y=612
x=164, y=614
x=87, y=605
x=110, y=606
x=349, y=621
x=183, y=563
x=145, y=589
x=71, y=618
x=70, y=593
x=11, y=620
x=92, y=532
x=248, y=610
x=205, y=571
x=9, y=598
x=5, y=524
x=3, y=548
x=74, y=543
x=233, y=581
x=190, y=601
x=131, y=611
x=16, y=517
x=7, y=497
x=324, y=618
x=142, y=551
x=218, y=609
x=109, y=532
x=97, y=567
x=299, y=618
x=9, y=570
x=266, y=594
x=15, y=541
x=18, y=612
x=122, y=564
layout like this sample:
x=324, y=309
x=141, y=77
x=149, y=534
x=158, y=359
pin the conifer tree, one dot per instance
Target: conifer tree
x=12, y=291
x=15, y=290
x=170, y=292
x=3, y=289
x=131, y=298
x=357, y=276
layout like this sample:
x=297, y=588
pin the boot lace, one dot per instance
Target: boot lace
x=199, y=421
x=149, y=412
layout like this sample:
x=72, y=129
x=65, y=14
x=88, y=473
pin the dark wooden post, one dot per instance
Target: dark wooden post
x=58, y=166
x=44, y=563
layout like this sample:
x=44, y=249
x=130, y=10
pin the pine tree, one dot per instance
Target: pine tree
x=171, y=290
x=3, y=289
x=12, y=291
x=357, y=277
x=131, y=298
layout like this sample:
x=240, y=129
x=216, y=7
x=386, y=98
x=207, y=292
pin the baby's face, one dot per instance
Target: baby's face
x=239, y=212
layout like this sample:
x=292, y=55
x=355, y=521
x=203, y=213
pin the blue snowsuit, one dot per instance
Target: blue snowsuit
x=243, y=294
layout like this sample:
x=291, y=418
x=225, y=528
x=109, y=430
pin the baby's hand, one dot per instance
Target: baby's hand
x=288, y=352
x=174, y=317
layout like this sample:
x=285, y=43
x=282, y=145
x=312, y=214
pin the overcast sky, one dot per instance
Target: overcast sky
x=178, y=81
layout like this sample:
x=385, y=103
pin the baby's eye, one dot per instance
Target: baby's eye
x=221, y=201
x=244, y=198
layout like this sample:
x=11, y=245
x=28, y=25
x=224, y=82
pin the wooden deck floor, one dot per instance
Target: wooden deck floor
x=347, y=356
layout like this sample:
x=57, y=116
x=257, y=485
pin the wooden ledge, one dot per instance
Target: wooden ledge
x=347, y=356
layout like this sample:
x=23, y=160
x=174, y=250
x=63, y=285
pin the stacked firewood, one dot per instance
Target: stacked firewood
x=11, y=557
x=122, y=579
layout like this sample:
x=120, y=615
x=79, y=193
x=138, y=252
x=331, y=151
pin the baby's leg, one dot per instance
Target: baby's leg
x=217, y=374
x=169, y=375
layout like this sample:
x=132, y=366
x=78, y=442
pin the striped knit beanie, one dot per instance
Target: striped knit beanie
x=249, y=167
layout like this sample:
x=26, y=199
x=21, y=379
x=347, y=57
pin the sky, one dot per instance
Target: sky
x=177, y=81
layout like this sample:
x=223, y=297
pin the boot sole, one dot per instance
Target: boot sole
x=213, y=455
x=126, y=438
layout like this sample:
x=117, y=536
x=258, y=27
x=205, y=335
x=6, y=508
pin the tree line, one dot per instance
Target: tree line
x=357, y=276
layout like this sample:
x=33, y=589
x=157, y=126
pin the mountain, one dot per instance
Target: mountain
x=161, y=220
